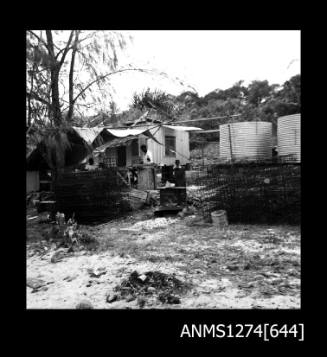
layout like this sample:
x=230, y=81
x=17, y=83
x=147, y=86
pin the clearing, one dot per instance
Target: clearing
x=241, y=267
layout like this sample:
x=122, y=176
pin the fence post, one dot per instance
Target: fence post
x=230, y=143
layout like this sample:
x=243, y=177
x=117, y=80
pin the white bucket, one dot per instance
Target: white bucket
x=219, y=218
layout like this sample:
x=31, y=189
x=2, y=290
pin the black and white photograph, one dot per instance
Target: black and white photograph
x=163, y=169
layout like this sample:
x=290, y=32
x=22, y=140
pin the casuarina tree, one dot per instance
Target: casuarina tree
x=68, y=71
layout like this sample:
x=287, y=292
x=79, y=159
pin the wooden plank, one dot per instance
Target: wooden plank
x=142, y=195
x=122, y=178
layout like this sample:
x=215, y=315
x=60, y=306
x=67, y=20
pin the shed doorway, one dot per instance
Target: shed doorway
x=121, y=156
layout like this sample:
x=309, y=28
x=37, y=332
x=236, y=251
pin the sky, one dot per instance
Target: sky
x=206, y=60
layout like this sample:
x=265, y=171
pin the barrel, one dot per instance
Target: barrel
x=289, y=137
x=250, y=140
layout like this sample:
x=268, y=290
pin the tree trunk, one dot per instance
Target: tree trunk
x=29, y=119
x=71, y=79
x=56, y=112
x=54, y=78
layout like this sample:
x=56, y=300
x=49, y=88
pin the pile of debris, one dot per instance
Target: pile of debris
x=165, y=287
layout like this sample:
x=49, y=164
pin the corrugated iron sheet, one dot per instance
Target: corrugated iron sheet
x=289, y=136
x=246, y=140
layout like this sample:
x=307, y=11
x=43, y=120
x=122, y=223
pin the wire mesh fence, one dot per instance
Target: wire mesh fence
x=91, y=195
x=252, y=192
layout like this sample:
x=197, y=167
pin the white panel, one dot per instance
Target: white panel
x=182, y=147
x=157, y=150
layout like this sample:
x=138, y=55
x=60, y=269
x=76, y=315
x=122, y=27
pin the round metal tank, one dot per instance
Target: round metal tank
x=289, y=137
x=250, y=140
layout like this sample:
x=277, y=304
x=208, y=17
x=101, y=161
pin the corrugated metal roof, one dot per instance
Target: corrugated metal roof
x=123, y=136
x=182, y=128
x=88, y=134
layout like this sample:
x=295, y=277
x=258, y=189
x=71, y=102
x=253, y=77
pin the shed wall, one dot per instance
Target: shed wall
x=158, y=151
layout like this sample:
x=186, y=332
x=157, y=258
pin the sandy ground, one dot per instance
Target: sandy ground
x=237, y=268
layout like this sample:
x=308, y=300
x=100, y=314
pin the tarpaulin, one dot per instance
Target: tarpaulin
x=88, y=134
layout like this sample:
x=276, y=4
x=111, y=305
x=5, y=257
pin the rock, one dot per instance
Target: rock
x=35, y=283
x=111, y=298
x=151, y=289
x=84, y=304
x=58, y=256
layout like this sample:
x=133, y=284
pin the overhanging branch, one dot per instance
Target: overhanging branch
x=105, y=76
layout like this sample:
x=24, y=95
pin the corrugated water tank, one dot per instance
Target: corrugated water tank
x=251, y=140
x=289, y=137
